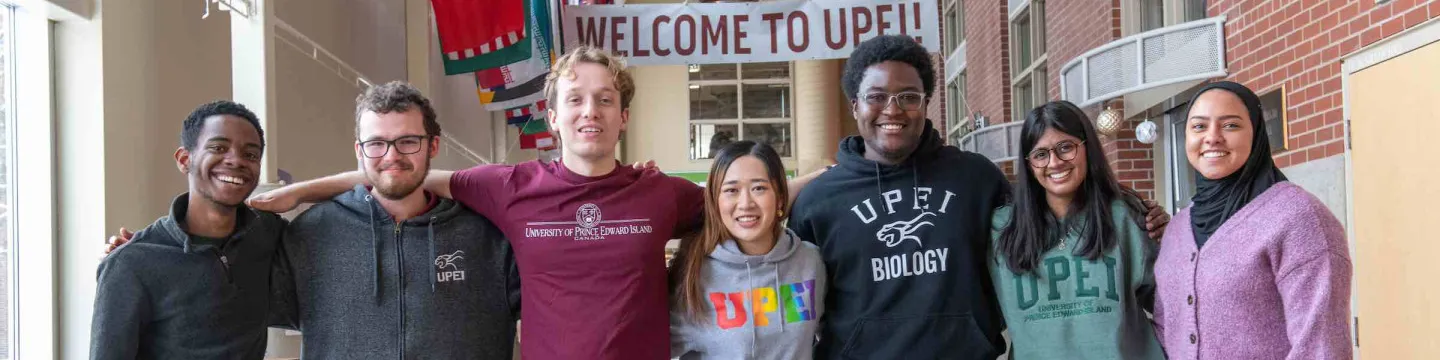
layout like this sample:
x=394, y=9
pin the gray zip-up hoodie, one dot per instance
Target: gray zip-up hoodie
x=761, y=306
x=442, y=285
x=168, y=295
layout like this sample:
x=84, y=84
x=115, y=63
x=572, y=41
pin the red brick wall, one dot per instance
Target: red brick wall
x=987, y=59
x=1073, y=27
x=1298, y=45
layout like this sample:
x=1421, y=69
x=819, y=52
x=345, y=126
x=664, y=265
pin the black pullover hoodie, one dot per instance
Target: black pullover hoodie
x=905, y=246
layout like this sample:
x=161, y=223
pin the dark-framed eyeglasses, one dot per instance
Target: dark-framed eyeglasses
x=406, y=145
x=908, y=100
x=1065, y=150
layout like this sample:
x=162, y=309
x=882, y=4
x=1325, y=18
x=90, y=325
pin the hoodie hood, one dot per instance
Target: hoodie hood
x=851, y=155
x=174, y=225
x=785, y=246
x=360, y=202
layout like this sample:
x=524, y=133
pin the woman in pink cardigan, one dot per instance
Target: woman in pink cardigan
x=1256, y=267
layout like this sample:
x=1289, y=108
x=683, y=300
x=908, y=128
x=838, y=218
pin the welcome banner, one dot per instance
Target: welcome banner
x=668, y=34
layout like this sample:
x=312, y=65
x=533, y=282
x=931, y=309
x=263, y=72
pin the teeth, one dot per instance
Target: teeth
x=1214, y=154
x=891, y=126
x=230, y=179
x=589, y=130
x=1061, y=174
x=747, y=218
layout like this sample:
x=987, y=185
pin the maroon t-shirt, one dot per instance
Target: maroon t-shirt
x=591, y=253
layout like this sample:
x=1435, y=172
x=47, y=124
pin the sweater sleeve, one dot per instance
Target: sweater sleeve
x=681, y=335
x=1314, y=283
x=122, y=308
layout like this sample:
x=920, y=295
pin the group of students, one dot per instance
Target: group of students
x=386, y=265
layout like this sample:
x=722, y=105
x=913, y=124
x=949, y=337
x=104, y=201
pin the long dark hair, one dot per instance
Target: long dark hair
x=686, y=288
x=1033, y=230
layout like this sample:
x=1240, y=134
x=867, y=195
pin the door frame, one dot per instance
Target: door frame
x=1400, y=44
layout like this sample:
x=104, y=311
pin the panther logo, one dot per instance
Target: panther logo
x=449, y=260
x=588, y=215
x=897, y=232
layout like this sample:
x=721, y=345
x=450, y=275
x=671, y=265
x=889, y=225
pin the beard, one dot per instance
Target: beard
x=398, y=186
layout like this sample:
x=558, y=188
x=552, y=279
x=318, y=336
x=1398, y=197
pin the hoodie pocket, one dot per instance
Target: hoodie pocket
x=933, y=336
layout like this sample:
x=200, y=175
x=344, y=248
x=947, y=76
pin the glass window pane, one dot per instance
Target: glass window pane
x=952, y=27
x=952, y=103
x=769, y=101
x=1037, y=30
x=713, y=72
x=1195, y=10
x=776, y=135
x=1152, y=14
x=1024, y=101
x=6, y=213
x=707, y=139
x=1022, y=44
x=767, y=70
x=714, y=102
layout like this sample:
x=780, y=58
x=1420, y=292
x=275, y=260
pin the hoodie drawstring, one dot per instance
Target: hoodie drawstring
x=431, y=230
x=781, y=303
x=750, y=295
x=878, y=191
x=374, y=248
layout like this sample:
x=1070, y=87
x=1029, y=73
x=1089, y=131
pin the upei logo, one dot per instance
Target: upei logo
x=897, y=232
x=588, y=216
x=449, y=260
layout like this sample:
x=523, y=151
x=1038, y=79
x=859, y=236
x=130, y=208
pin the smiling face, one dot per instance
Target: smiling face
x=748, y=202
x=395, y=174
x=223, y=168
x=1218, y=134
x=1060, y=177
x=891, y=129
x=589, y=115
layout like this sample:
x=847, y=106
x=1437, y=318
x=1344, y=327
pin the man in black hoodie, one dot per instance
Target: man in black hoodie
x=195, y=284
x=903, y=222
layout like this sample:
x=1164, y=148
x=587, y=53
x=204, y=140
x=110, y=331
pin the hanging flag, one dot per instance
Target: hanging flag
x=536, y=109
x=521, y=95
x=541, y=49
x=534, y=126
x=518, y=120
x=534, y=141
x=481, y=34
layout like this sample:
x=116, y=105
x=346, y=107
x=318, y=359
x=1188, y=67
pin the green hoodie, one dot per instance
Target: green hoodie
x=1072, y=307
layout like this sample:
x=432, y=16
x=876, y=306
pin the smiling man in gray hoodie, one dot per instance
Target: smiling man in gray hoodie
x=195, y=284
x=393, y=272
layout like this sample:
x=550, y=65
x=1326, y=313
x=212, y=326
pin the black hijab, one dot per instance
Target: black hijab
x=1218, y=199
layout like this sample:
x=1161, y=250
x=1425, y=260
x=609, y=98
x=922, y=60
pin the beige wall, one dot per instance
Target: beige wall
x=125, y=80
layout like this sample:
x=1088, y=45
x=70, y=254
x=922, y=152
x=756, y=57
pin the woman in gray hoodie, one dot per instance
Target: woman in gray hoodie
x=745, y=287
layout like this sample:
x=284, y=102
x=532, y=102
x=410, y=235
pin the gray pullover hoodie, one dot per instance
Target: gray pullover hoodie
x=442, y=285
x=761, y=306
x=169, y=295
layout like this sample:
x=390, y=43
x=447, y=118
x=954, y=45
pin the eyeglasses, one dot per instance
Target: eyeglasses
x=1065, y=150
x=406, y=145
x=908, y=100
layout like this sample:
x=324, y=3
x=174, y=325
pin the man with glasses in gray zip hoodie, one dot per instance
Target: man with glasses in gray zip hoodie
x=391, y=271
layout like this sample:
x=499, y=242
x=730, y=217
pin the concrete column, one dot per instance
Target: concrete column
x=817, y=118
x=252, y=49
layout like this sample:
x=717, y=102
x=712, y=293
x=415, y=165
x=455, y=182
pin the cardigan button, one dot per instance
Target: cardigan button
x=1192, y=257
x=1192, y=338
x=1190, y=300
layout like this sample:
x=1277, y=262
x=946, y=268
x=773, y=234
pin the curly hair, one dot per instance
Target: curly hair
x=190, y=131
x=565, y=66
x=888, y=48
x=395, y=97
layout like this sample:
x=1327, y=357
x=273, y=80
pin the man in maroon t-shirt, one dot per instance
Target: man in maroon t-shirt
x=589, y=234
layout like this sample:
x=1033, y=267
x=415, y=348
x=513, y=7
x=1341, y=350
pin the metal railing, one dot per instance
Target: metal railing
x=998, y=143
x=1186, y=52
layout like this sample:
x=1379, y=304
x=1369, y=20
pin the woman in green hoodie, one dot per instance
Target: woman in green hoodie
x=1072, y=262
x=745, y=287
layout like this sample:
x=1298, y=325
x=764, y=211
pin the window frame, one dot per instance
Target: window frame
x=740, y=121
x=1033, y=76
x=36, y=274
x=957, y=110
